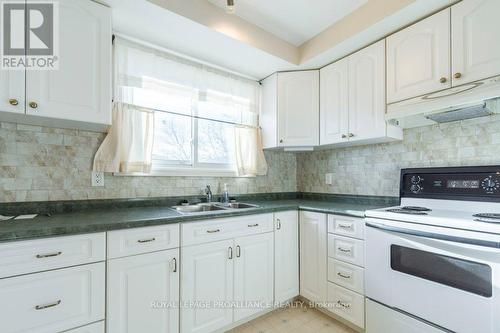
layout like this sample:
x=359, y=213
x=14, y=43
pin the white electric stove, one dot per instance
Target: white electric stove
x=433, y=263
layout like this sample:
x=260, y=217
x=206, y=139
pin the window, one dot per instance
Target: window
x=196, y=107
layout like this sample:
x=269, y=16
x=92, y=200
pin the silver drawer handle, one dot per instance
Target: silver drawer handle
x=238, y=251
x=341, y=249
x=345, y=226
x=213, y=231
x=253, y=225
x=343, y=276
x=278, y=226
x=146, y=240
x=344, y=305
x=46, y=306
x=175, y=265
x=48, y=255
x=230, y=252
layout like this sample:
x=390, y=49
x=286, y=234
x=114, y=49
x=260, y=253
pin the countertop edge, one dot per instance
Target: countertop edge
x=59, y=231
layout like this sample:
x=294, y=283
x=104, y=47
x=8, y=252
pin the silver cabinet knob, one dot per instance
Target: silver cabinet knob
x=13, y=101
x=351, y=135
x=33, y=105
x=443, y=80
x=458, y=75
x=344, y=136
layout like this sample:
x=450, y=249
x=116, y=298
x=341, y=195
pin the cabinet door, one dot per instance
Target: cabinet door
x=269, y=112
x=253, y=274
x=334, y=102
x=80, y=90
x=313, y=256
x=136, y=285
x=418, y=58
x=298, y=108
x=475, y=40
x=207, y=277
x=286, y=256
x=367, y=93
x=12, y=91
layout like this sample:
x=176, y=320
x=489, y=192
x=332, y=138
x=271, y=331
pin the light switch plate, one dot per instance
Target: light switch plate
x=329, y=178
x=97, y=178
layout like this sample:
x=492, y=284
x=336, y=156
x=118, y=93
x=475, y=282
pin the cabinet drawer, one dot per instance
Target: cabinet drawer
x=122, y=243
x=53, y=301
x=346, y=275
x=31, y=256
x=214, y=230
x=92, y=328
x=347, y=304
x=346, y=249
x=346, y=226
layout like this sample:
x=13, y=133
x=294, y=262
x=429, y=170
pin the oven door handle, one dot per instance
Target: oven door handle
x=418, y=233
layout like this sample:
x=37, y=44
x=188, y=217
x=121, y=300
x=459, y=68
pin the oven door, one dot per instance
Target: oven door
x=450, y=283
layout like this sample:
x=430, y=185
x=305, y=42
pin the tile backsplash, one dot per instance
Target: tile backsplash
x=42, y=163
x=375, y=169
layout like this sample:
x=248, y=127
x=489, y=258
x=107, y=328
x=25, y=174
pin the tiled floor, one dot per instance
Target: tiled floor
x=294, y=319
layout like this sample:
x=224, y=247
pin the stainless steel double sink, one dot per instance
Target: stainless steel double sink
x=201, y=208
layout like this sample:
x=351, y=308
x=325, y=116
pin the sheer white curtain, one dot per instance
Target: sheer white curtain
x=129, y=144
x=250, y=159
x=149, y=79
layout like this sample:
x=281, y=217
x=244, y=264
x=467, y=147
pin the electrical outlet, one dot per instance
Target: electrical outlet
x=97, y=178
x=329, y=178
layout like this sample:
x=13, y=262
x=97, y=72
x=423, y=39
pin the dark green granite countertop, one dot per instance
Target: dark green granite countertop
x=105, y=219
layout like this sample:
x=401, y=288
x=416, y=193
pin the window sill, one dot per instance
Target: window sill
x=180, y=172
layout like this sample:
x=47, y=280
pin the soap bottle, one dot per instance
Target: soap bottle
x=225, y=195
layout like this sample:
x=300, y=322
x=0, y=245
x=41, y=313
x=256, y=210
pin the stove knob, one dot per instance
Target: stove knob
x=415, y=188
x=416, y=179
x=490, y=185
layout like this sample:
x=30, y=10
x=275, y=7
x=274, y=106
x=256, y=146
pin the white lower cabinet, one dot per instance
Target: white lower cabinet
x=346, y=260
x=226, y=281
x=347, y=304
x=381, y=319
x=313, y=254
x=286, y=256
x=206, y=279
x=53, y=301
x=253, y=274
x=143, y=292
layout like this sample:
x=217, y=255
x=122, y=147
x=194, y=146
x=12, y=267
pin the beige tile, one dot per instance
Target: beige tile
x=293, y=320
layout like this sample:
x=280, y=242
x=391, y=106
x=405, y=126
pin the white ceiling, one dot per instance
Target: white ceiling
x=294, y=21
x=145, y=21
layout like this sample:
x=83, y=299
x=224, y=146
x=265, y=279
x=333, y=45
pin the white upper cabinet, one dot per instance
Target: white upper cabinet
x=475, y=40
x=334, y=102
x=353, y=100
x=80, y=90
x=12, y=91
x=418, y=58
x=290, y=109
x=268, y=118
x=367, y=93
x=298, y=109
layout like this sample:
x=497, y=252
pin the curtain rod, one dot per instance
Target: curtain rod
x=195, y=117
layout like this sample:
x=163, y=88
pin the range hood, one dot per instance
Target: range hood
x=472, y=100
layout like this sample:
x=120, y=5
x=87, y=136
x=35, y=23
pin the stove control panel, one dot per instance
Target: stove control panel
x=451, y=183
